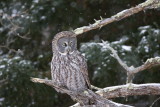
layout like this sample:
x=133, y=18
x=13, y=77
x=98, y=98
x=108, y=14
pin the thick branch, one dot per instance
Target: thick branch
x=116, y=91
x=124, y=90
x=149, y=4
x=100, y=101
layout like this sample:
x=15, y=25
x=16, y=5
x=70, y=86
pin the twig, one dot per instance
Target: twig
x=96, y=88
x=155, y=102
x=6, y=47
x=149, y=4
x=24, y=36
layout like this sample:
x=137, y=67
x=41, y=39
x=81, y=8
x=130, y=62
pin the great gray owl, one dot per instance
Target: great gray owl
x=68, y=66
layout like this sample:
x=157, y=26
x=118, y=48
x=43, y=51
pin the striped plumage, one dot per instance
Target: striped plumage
x=69, y=70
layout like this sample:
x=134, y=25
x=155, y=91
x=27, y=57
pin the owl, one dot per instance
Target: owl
x=68, y=66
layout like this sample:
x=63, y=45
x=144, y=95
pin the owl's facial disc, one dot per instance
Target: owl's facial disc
x=67, y=45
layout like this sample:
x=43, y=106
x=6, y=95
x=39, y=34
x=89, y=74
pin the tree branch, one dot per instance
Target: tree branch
x=114, y=91
x=148, y=64
x=124, y=90
x=115, y=55
x=149, y=4
x=131, y=71
x=6, y=47
x=100, y=101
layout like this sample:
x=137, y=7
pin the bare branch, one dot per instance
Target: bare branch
x=96, y=88
x=155, y=102
x=149, y=4
x=124, y=90
x=87, y=93
x=132, y=70
x=148, y=64
x=52, y=84
x=115, y=55
x=23, y=36
x=6, y=47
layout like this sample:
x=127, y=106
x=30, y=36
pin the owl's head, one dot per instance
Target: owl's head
x=64, y=43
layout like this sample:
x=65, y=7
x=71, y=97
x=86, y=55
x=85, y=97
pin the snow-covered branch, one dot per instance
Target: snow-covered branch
x=149, y=4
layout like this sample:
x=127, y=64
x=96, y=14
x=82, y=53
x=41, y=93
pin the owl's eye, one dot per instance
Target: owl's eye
x=71, y=43
x=64, y=44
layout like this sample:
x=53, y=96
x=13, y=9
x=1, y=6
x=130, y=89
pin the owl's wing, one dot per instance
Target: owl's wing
x=85, y=72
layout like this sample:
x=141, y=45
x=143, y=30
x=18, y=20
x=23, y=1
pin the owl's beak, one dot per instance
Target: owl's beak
x=68, y=49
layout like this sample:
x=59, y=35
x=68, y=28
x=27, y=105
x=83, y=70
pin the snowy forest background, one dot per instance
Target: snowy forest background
x=26, y=31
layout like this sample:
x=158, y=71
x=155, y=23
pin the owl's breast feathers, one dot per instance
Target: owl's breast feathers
x=70, y=71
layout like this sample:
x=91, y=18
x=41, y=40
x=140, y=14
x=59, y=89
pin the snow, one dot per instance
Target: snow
x=4, y=16
x=16, y=57
x=95, y=72
x=40, y=56
x=116, y=42
x=127, y=48
x=32, y=6
x=98, y=68
x=35, y=1
x=1, y=29
x=86, y=45
x=24, y=62
x=104, y=45
x=43, y=17
x=144, y=27
x=104, y=64
x=83, y=54
x=53, y=9
x=143, y=32
x=156, y=31
x=2, y=66
x=146, y=49
x=143, y=40
x=27, y=17
x=2, y=99
x=14, y=11
x=22, y=16
x=123, y=39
